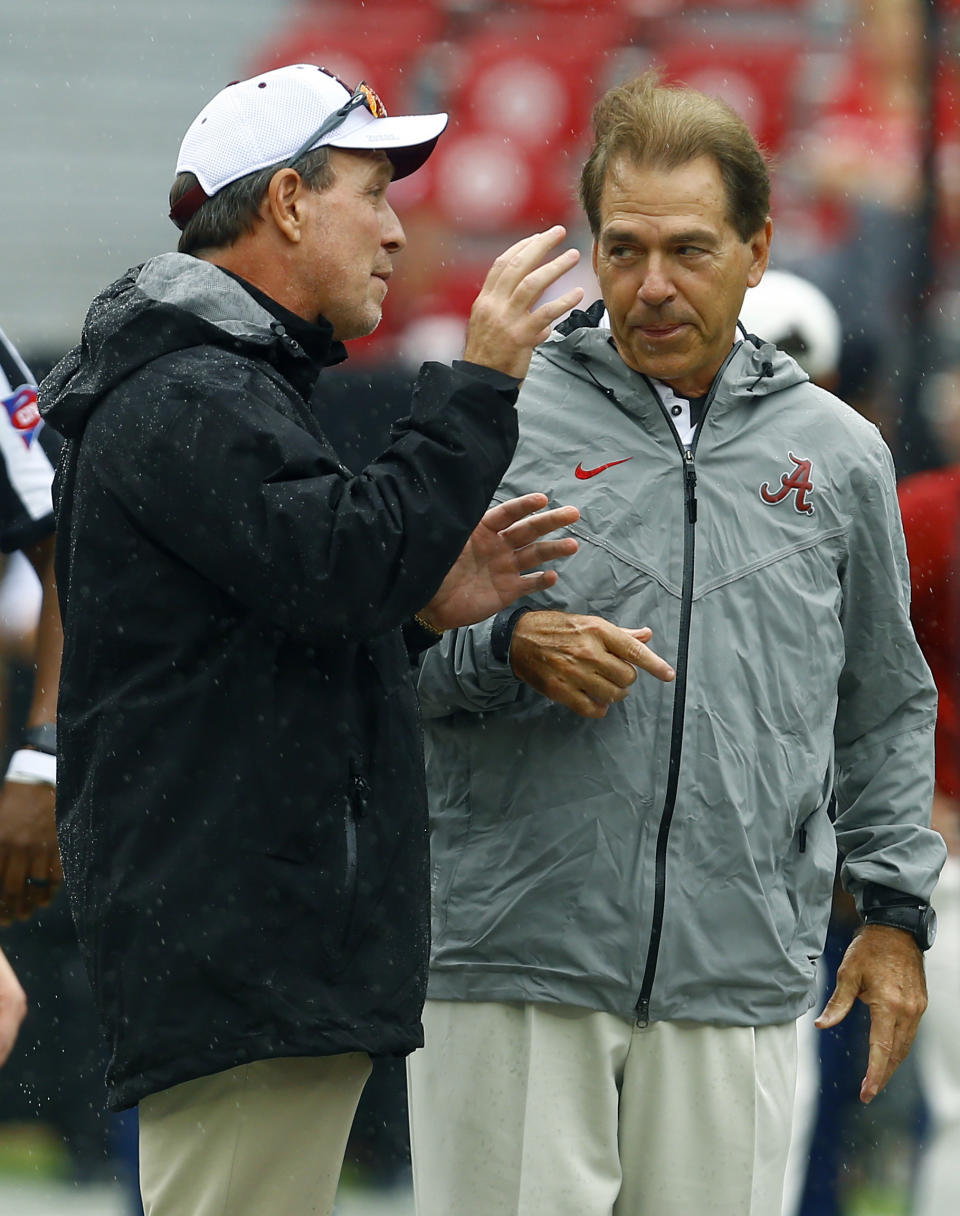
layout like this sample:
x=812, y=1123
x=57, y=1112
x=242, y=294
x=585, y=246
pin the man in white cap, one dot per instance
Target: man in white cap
x=241, y=805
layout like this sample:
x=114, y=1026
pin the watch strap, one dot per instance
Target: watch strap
x=42, y=738
x=917, y=919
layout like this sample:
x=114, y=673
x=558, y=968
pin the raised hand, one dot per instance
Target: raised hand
x=491, y=572
x=582, y=662
x=505, y=324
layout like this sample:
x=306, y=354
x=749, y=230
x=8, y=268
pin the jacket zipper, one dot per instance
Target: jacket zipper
x=642, y=1008
x=356, y=807
x=688, y=456
x=689, y=467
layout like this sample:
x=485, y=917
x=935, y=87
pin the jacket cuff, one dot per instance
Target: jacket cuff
x=489, y=375
x=877, y=896
x=417, y=638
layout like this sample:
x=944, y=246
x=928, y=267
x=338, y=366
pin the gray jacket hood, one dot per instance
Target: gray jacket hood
x=170, y=303
x=753, y=369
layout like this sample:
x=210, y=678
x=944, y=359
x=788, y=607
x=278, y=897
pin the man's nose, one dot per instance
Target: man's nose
x=393, y=238
x=656, y=286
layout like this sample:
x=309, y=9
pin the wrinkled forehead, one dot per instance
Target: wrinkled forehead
x=689, y=194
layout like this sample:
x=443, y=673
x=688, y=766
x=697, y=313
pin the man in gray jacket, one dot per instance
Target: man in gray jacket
x=632, y=877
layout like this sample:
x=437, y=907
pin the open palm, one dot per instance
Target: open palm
x=495, y=566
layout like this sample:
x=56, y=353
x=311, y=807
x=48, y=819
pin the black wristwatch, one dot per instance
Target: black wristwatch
x=919, y=920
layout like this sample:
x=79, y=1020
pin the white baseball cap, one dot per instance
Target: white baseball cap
x=797, y=316
x=279, y=115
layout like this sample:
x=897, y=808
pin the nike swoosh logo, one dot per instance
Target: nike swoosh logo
x=582, y=474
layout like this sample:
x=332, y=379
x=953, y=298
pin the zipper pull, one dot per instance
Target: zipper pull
x=643, y=1013
x=358, y=789
x=690, y=477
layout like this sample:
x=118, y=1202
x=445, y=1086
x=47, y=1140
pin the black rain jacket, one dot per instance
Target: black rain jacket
x=240, y=801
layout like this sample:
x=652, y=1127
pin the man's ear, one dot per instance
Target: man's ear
x=283, y=203
x=760, y=253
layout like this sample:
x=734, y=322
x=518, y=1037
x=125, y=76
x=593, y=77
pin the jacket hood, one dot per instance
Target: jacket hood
x=754, y=365
x=169, y=303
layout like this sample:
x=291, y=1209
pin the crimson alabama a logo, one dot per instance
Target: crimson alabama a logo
x=798, y=481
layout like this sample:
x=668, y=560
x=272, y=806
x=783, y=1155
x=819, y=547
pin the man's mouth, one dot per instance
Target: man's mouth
x=661, y=330
x=661, y=327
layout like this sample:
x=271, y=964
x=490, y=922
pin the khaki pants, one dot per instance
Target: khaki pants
x=546, y=1110
x=262, y=1139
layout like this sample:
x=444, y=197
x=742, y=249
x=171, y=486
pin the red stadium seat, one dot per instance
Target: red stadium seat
x=760, y=80
x=535, y=80
x=693, y=9
x=382, y=47
x=625, y=8
x=484, y=182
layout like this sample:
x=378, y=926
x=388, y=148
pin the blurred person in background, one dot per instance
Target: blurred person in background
x=862, y=158
x=51, y=1080
x=29, y=860
x=632, y=876
x=30, y=872
x=801, y=320
x=798, y=318
x=930, y=502
x=241, y=806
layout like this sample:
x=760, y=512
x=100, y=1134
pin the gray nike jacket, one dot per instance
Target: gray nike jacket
x=675, y=860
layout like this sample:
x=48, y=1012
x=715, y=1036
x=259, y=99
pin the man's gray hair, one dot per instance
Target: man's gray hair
x=232, y=212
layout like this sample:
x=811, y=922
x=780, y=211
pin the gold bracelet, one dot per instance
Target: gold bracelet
x=424, y=624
